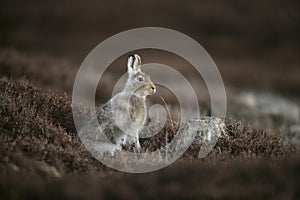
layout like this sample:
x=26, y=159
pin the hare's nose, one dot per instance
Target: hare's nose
x=153, y=89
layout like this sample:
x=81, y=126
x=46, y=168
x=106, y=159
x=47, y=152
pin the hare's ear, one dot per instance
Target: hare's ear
x=134, y=64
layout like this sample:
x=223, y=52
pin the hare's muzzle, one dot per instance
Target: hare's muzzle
x=153, y=88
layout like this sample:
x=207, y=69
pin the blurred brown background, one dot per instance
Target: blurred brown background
x=254, y=43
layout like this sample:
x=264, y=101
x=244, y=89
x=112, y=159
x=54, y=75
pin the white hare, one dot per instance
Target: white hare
x=123, y=116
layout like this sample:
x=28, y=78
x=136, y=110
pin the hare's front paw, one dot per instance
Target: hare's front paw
x=137, y=146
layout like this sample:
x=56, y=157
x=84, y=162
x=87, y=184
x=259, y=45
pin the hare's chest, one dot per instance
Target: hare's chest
x=137, y=112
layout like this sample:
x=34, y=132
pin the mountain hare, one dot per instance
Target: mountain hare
x=123, y=116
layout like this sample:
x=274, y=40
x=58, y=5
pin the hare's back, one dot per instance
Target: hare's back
x=104, y=113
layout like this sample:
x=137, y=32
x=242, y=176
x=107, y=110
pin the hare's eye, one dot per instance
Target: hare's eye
x=140, y=79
